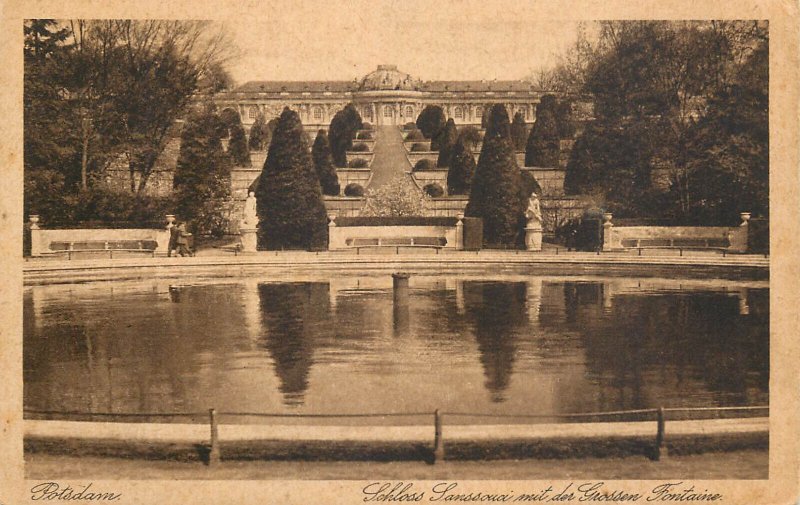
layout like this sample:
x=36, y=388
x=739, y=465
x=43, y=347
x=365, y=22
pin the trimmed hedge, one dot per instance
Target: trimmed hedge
x=360, y=148
x=423, y=165
x=364, y=136
x=418, y=147
x=410, y=126
x=433, y=190
x=358, y=163
x=397, y=221
x=366, y=126
x=414, y=135
x=353, y=189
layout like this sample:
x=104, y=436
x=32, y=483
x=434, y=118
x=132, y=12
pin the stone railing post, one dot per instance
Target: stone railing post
x=36, y=237
x=460, y=232
x=331, y=231
x=608, y=227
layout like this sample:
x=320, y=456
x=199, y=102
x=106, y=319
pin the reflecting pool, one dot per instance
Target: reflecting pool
x=511, y=344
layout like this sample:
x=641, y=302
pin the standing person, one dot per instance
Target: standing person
x=183, y=241
x=173, y=241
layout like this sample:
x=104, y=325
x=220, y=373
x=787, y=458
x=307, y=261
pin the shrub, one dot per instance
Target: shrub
x=410, y=126
x=367, y=126
x=323, y=163
x=423, y=165
x=238, y=149
x=358, y=163
x=495, y=194
x=433, y=190
x=290, y=207
x=471, y=136
x=447, y=141
x=364, y=136
x=344, y=126
x=415, y=135
x=398, y=197
x=431, y=121
x=360, y=148
x=418, y=147
x=260, y=134
x=353, y=189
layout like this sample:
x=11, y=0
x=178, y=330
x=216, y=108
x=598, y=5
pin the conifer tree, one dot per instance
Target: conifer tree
x=237, y=147
x=323, y=163
x=290, y=207
x=344, y=126
x=519, y=132
x=542, y=149
x=259, y=135
x=447, y=140
x=495, y=193
x=462, y=168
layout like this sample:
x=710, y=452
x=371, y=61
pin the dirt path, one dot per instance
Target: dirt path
x=749, y=464
x=390, y=156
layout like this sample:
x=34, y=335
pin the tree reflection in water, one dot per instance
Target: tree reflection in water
x=294, y=316
x=497, y=311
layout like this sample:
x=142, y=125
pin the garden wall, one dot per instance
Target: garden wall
x=730, y=238
x=44, y=241
x=395, y=232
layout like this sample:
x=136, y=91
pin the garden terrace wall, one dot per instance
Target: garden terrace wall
x=425, y=177
x=551, y=180
x=444, y=232
x=344, y=206
x=728, y=238
x=360, y=176
x=413, y=158
x=351, y=155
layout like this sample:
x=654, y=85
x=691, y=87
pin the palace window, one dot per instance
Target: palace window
x=524, y=111
x=252, y=112
x=409, y=111
x=387, y=111
x=317, y=112
x=478, y=111
x=459, y=113
x=368, y=113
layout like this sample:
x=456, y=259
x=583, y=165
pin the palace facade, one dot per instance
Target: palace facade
x=386, y=96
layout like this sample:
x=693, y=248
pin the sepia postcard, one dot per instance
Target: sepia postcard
x=360, y=251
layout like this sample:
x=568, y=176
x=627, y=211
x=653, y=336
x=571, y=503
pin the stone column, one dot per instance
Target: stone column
x=36, y=237
x=460, y=233
x=331, y=232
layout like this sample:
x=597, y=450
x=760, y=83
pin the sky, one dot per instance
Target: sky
x=444, y=40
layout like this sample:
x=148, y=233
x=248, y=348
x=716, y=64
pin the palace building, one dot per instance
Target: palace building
x=386, y=96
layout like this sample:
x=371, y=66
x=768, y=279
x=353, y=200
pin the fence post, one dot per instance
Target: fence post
x=660, y=449
x=438, y=442
x=213, y=455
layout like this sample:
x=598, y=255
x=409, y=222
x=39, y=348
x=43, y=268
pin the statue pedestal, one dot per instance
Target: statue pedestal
x=533, y=238
x=249, y=239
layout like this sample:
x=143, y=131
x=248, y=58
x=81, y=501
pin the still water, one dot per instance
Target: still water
x=512, y=345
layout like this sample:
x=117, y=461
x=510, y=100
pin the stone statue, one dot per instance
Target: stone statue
x=533, y=213
x=249, y=215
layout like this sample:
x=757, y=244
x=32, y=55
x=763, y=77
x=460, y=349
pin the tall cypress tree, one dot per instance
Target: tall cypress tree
x=344, y=126
x=495, y=194
x=290, y=208
x=519, y=132
x=462, y=168
x=447, y=140
x=259, y=134
x=323, y=163
x=237, y=147
x=543, y=142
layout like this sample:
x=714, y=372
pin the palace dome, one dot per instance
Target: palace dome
x=387, y=77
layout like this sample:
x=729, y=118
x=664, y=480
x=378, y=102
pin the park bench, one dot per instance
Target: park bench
x=681, y=244
x=397, y=243
x=69, y=248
